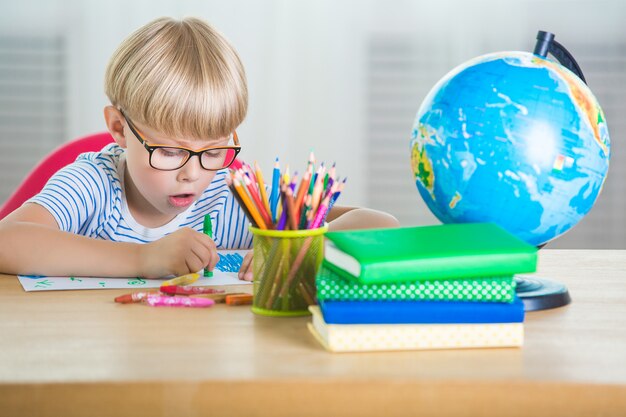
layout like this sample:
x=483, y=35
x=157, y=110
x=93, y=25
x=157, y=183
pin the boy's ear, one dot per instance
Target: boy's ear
x=115, y=124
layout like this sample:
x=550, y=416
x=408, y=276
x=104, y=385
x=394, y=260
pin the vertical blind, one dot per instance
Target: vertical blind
x=32, y=104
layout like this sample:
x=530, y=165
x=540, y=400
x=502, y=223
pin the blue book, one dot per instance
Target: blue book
x=421, y=312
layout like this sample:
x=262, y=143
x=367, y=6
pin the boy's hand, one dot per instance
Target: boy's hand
x=245, y=272
x=182, y=252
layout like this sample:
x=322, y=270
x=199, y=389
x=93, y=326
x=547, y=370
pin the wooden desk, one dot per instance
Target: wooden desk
x=78, y=353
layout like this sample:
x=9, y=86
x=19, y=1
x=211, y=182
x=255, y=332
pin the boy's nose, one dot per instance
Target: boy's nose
x=191, y=170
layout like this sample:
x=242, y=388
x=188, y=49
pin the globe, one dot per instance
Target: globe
x=511, y=138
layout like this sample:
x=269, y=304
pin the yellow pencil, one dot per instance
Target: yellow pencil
x=286, y=175
x=317, y=189
x=259, y=177
x=182, y=280
x=246, y=200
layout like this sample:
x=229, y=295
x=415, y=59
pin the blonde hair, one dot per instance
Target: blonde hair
x=179, y=77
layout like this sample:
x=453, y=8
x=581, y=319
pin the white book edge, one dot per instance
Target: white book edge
x=337, y=257
x=389, y=337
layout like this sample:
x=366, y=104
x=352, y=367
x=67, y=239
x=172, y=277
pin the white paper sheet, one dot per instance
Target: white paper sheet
x=225, y=273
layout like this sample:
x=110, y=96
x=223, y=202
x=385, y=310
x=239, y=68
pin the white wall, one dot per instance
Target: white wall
x=306, y=60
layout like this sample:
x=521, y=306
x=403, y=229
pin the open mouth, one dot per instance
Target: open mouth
x=181, y=200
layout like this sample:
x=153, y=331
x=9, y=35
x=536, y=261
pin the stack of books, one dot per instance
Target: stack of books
x=430, y=287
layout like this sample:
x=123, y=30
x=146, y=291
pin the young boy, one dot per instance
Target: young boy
x=178, y=91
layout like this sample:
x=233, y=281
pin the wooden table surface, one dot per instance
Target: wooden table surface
x=78, y=353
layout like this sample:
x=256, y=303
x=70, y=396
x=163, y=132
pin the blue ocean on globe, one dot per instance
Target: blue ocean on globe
x=511, y=138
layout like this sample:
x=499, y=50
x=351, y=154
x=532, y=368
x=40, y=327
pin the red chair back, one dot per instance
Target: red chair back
x=57, y=159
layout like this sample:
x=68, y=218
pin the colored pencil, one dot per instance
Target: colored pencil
x=292, y=203
x=291, y=210
x=318, y=188
x=282, y=222
x=331, y=176
x=304, y=185
x=305, y=210
x=259, y=177
x=256, y=198
x=244, y=208
x=294, y=181
x=324, y=207
x=337, y=193
x=248, y=203
x=275, y=190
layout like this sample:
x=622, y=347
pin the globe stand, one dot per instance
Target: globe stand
x=540, y=293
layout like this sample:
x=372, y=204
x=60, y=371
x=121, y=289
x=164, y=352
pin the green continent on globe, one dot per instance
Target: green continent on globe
x=422, y=167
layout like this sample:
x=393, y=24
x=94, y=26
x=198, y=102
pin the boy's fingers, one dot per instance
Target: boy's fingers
x=211, y=258
x=215, y=258
x=207, y=241
x=196, y=260
x=248, y=275
x=202, y=254
x=246, y=265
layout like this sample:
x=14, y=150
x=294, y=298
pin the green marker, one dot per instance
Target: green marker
x=207, y=229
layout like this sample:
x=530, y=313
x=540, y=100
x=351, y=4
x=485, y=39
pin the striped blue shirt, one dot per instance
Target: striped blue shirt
x=87, y=198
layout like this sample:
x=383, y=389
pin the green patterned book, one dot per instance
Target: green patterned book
x=331, y=285
x=467, y=250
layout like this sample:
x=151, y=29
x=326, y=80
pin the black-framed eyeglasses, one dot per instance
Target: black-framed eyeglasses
x=171, y=158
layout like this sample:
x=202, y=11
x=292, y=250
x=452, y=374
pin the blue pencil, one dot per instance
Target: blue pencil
x=335, y=196
x=275, y=190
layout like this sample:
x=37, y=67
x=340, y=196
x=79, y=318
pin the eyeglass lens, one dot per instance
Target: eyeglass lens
x=174, y=158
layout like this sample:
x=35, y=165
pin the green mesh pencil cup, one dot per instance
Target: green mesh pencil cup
x=284, y=267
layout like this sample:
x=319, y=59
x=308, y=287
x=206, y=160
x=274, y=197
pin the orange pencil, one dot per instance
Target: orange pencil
x=229, y=182
x=261, y=182
x=317, y=189
x=246, y=200
x=304, y=187
x=257, y=200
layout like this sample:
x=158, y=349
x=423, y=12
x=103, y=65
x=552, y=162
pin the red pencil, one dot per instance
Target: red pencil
x=304, y=187
x=257, y=200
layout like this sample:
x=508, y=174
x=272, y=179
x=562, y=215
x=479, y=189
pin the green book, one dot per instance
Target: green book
x=465, y=250
x=333, y=285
